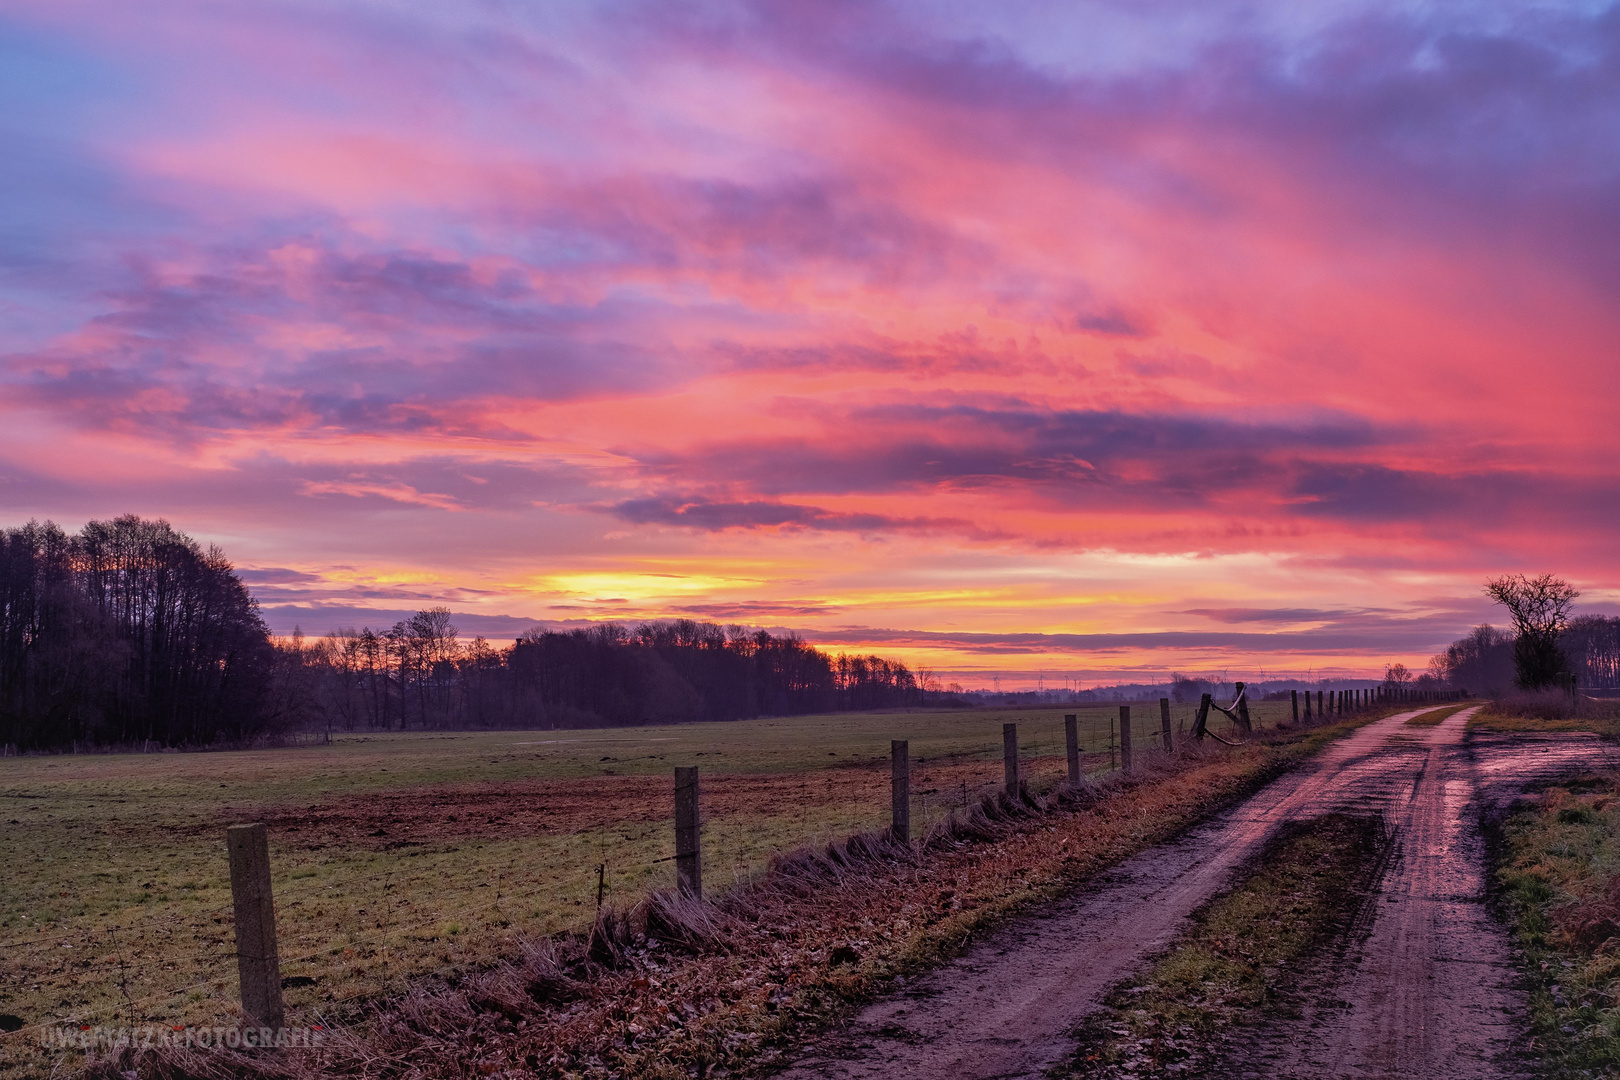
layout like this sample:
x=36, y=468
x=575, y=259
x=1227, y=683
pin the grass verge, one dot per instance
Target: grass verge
x=676, y=990
x=1560, y=876
x=1225, y=972
x=1549, y=710
x=1433, y=717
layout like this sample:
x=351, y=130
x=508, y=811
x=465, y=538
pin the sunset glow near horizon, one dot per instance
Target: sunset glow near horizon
x=1077, y=342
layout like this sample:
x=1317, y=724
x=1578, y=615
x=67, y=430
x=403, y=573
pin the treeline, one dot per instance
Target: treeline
x=1484, y=661
x=128, y=632
x=419, y=674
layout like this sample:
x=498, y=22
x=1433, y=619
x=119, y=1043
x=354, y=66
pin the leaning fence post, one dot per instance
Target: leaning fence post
x=1071, y=739
x=1125, y=737
x=258, y=968
x=1201, y=721
x=900, y=793
x=1164, y=724
x=688, y=853
x=1009, y=757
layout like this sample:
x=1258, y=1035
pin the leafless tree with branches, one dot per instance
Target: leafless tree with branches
x=1539, y=607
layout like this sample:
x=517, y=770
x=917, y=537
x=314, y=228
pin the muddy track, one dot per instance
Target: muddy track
x=1427, y=992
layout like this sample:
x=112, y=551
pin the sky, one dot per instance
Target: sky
x=1071, y=342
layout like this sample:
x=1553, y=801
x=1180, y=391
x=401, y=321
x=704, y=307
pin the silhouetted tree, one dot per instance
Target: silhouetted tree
x=1592, y=646
x=128, y=632
x=1482, y=661
x=1539, y=608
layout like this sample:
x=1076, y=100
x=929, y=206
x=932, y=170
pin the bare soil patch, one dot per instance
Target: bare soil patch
x=389, y=819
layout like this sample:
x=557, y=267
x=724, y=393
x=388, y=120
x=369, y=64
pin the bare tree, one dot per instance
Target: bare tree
x=1539, y=608
x=1397, y=674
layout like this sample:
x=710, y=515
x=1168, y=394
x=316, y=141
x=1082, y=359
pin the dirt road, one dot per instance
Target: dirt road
x=1427, y=993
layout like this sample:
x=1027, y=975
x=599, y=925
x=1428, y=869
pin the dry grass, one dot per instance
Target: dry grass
x=406, y=856
x=663, y=988
x=1549, y=710
x=1231, y=967
x=1561, y=877
x=1433, y=717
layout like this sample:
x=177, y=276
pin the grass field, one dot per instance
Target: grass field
x=406, y=855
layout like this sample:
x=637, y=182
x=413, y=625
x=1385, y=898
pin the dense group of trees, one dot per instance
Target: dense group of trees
x=128, y=631
x=419, y=673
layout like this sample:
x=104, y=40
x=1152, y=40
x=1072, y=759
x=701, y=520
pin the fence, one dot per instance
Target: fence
x=262, y=959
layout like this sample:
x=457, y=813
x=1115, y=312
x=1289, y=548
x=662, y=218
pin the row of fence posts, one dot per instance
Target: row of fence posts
x=258, y=966
x=1336, y=702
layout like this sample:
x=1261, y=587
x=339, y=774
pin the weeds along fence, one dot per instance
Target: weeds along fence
x=242, y=964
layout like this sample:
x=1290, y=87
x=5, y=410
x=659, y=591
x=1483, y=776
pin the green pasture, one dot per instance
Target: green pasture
x=115, y=901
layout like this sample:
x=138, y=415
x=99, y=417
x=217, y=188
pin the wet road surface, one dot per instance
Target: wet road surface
x=1427, y=992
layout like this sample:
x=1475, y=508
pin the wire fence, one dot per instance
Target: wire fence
x=369, y=928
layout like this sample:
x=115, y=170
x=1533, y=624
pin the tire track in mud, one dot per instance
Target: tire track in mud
x=1004, y=1009
x=1431, y=989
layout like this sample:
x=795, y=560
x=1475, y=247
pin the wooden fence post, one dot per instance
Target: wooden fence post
x=900, y=794
x=1294, y=697
x=1071, y=740
x=1009, y=757
x=258, y=968
x=688, y=852
x=1164, y=725
x=1201, y=721
x=1319, y=710
x=1125, y=737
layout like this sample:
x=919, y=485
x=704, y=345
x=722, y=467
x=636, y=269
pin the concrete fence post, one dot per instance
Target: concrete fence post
x=688, y=849
x=900, y=794
x=1125, y=737
x=1071, y=741
x=1009, y=757
x=1164, y=725
x=257, y=965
